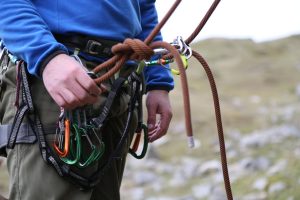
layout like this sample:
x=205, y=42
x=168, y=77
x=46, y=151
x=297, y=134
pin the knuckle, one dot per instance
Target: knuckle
x=83, y=96
x=90, y=84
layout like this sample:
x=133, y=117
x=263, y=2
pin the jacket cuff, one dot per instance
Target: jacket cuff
x=45, y=62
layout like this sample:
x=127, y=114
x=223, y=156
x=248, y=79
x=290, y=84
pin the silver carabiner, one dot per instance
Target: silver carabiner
x=182, y=47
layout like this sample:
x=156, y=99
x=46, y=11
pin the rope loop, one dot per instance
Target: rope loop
x=135, y=48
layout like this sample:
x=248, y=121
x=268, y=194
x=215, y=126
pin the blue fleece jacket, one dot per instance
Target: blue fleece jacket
x=26, y=28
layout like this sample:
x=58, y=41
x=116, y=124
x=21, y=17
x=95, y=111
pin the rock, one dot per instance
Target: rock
x=277, y=187
x=278, y=167
x=260, y=184
x=234, y=134
x=269, y=136
x=137, y=193
x=211, y=166
x=217, y=193
x=190, y=167
x=202, y=191
x=144, y=177
x=260, y=163
x=177, y=180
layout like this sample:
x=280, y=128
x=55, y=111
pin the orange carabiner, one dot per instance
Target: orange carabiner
x=136, y=142
x=67, y=141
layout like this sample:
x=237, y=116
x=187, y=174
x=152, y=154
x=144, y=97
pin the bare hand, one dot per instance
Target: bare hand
x=68, y=83
x=158, y=102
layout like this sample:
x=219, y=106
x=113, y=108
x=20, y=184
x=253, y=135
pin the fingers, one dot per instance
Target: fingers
x=68, y=84
x=158, y=103
x=88, y=84
x=160, y=129
x=154, y=134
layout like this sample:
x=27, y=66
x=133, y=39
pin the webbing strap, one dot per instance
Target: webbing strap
x=26, y=107
x=12, y=137
x=116, y=87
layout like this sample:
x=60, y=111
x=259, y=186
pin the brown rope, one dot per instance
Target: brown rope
x=215, y=98
x=184, y=83
x=116, y=62
x=138, y=50
x=203, y=22
x=219, y=122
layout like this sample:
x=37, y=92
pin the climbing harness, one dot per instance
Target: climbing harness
x=73, y=126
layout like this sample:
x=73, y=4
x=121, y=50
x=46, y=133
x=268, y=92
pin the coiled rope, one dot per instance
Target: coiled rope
x=138, y=50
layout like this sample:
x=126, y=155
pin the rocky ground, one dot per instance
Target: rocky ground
x=259, y=90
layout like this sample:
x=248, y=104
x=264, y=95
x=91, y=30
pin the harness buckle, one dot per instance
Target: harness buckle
x=93, y=47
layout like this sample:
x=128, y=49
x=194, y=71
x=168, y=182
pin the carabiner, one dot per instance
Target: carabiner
x=97, y=151
x=182, y=47
x=136, y=142
x=65, y=152
x=76, y=155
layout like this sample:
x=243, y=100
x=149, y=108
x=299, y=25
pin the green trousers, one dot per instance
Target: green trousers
x=29, y=176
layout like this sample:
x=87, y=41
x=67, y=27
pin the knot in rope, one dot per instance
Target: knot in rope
x=135, y=48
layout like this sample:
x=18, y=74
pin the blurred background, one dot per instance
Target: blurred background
x=252, y=47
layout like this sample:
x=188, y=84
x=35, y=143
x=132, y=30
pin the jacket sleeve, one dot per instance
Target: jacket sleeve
x=157, y=77
x=26, y=35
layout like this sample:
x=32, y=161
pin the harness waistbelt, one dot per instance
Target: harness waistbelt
x=91, y=45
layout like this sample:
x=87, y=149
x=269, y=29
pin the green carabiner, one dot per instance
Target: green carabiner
x=97, y=151
x=77, y=155
x=133, y=150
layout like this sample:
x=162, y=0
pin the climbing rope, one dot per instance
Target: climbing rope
x=138, y=50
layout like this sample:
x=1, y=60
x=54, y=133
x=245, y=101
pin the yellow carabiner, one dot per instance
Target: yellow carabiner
x=185, y=65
